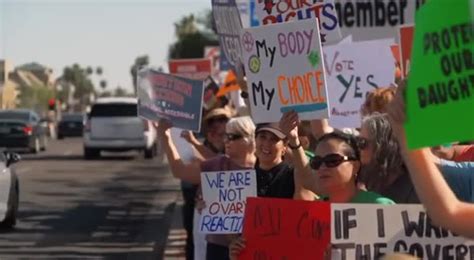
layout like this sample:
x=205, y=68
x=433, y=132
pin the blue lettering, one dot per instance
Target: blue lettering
x=218, y=224
x=330, y=16
x=217, y=182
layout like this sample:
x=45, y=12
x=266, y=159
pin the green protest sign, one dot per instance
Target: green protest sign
x=440, y=92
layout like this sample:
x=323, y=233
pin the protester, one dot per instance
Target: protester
x=441, y=203
x=457, y=153
x=383, y=170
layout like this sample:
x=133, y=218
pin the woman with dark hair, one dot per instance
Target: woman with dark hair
x=383, y=170
x=337, y=163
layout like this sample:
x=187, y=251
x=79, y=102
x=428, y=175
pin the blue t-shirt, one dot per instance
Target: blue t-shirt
x=460, y=177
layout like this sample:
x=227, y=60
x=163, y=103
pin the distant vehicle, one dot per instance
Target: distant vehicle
x=71, y=125
x=9, y=189
x=22, y=129
x=113, y=125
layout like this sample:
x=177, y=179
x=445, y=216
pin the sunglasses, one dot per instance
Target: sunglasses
x=331, y=160
x=232, y=137
x=362, y=143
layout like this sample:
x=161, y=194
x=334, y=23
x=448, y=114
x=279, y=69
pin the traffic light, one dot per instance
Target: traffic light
x=52, y=104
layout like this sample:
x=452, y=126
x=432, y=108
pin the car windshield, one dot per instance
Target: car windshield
x=15, y=115
x=114, y=110
x=72, y=117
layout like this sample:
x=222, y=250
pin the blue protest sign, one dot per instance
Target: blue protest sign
x=163, y=96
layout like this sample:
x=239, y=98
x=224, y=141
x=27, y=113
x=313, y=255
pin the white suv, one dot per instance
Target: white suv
x=113, y=125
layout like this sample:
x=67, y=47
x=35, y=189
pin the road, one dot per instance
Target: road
x=118, y=207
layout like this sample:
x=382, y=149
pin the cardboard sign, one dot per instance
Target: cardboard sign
x=284, y=68
x=441, y=84
x=225, y=194
x=228, y=25
x=369, y=231
x=353, y=70
x=286, y=229
x=169, y=97
x=406, y=43
x=370, y=20
x=210, y=90
x=198, y=69
x=270, y=12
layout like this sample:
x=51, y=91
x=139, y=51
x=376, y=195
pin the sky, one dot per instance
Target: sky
x=106, y=33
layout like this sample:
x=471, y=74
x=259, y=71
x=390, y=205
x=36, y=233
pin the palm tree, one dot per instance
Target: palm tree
x=103, y=84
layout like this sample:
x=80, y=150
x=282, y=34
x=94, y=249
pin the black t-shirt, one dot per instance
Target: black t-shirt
x=277, y=182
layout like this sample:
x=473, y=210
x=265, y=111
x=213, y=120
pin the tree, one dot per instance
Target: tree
x=99, y=71
x=140, y=61
x=103, y=84
x=35, y=97
x=190, y=39
x=89, y=70
x=120, y=92
x=79, y=77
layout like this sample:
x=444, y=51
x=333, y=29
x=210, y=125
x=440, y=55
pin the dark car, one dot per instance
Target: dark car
x=70, y=125
x=22, y=129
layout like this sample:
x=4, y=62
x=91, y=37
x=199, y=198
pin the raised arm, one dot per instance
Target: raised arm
x=439, y=200
x=203, y=151
x=320, y=127
x=302, y=176
x=187, y=172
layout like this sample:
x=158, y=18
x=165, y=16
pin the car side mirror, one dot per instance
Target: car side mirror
x=12, y=158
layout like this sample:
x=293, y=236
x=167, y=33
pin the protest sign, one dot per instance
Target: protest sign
x=198, y=69
x=369, y=231
x=228, y=26
x=284, y=68
x=169, y=97
x=441, y=84
x=286, y=229
x=370, y=20
x=270, y=12
x=185, y=150
x=406, y=43
x=353, y=70
x=214, y=54
x=225, y=194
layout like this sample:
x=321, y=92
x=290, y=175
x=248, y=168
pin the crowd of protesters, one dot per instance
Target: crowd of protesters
x=314, y=161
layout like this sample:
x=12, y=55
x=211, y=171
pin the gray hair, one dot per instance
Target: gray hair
x=242, y=125
x=387, y=159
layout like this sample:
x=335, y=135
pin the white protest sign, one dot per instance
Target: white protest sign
x=353, y=70
x=225, y=194
x=284, y=68
x=270, y=12
x=369, y=231
x=369, y=20
x=185, y=150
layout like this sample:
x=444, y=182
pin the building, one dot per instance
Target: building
x=8, y=88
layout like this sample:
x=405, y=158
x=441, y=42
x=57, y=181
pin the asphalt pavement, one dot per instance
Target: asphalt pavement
x=121, y=206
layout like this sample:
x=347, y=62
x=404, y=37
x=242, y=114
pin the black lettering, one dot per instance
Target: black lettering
x=445, y=65
x=443, y=97
x=380, y=223
x=464, y=87
x=411, y=227
x=349, y=15
x=468, y=59
x=446, y=38
x=421, y=97
x=448, y=253
x=270, y=94
x=403, y=6
x=343, y=247
x=399, y=245
x=263, y=45
x=432, y=98
x=357, y=93
x=371, y=82
x=429, y=226
x=364, y=10
x=337, y=224
x=416, y=250
x=363, y=252
x=435, y=43
x=392, y=13
x=453, y=92
x=461, y=252
x=258, y=89
x=379, y=13
x=378, y=254
x=433, y=253
x=348, y=223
